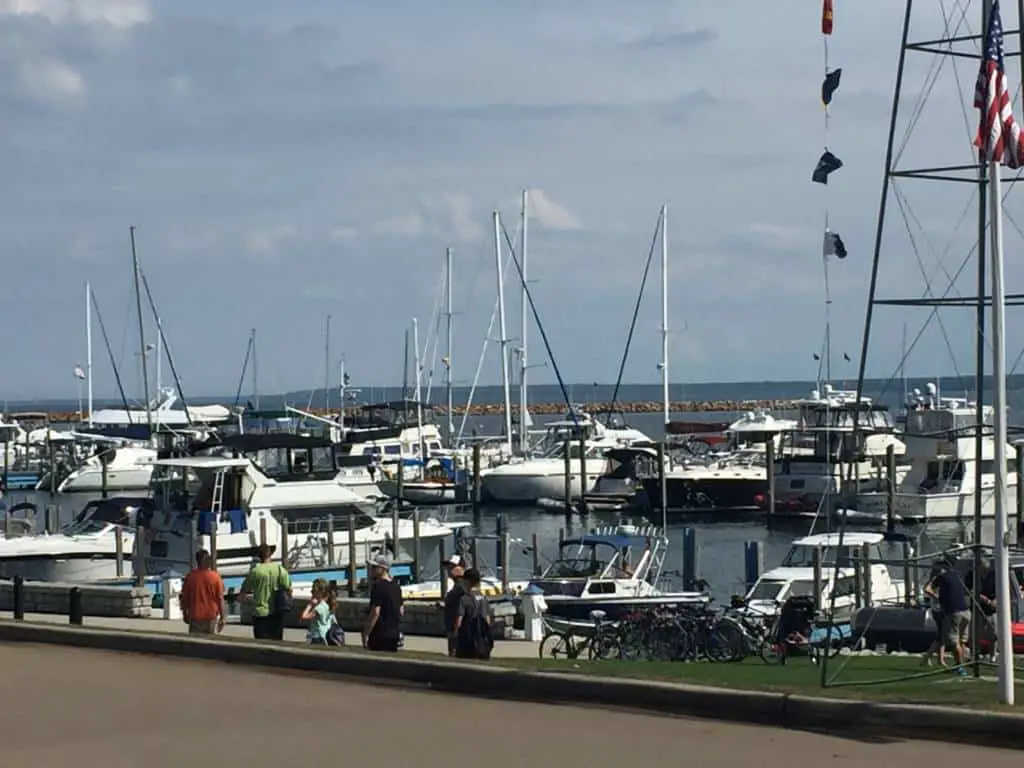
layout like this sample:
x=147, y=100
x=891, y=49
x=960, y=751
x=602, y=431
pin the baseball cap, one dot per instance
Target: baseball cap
x=379, y=561
x=454, y=560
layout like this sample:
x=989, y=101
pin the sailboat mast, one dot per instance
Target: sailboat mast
x=255, y=372
x=664, y=315
x=327, y=365
x=418, y=365
x=142, y=329
x=524, y=313
x=88, y=348
x=503, y=343
x=448, y=345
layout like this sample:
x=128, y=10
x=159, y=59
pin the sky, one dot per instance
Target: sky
x=286, y=162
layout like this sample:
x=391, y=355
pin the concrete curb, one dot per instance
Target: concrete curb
x=839, y=716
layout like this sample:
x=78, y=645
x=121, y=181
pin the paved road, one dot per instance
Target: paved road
x=83, y=708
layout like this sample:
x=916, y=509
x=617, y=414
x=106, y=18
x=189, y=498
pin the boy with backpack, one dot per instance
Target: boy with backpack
x=473, y=638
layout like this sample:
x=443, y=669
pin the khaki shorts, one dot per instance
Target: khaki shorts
x=203, y=627
x=954, y=628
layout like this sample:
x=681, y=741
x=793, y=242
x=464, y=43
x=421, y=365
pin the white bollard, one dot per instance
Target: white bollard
x=171, y=588
x=533, y=606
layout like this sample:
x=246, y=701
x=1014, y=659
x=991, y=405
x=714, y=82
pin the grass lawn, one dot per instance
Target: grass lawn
x=849, y=677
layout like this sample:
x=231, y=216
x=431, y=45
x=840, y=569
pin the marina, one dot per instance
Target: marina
x=490, y=429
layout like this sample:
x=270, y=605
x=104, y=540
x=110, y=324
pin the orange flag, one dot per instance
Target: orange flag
x=826, y=17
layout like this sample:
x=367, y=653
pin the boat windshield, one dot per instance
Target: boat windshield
x=802, y=556
x=89, y=525
x=574, y=568
x=766, y=590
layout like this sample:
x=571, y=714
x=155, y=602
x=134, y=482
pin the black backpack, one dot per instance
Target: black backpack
x=475, y=640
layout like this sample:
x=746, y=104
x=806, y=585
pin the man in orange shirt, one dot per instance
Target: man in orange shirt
x=202, y=598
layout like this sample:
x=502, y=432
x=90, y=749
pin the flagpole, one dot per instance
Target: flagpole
x=1004, y=637
x=1003, y=629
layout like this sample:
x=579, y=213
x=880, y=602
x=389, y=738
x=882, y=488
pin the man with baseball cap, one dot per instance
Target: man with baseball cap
x=383, y=628
x=453, y=599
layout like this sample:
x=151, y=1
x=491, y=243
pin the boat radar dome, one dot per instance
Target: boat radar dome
x=815, y=394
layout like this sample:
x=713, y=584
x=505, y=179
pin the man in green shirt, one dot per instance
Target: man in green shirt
x=260, y=588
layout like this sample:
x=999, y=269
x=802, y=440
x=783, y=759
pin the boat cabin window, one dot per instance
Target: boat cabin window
x=766, y=589
x=396, y=450
x=802, y=555
x=846, y=586
x=942, y=474
x=575, y=568
x=601, y=588
x=434, y=445
x=371, y=450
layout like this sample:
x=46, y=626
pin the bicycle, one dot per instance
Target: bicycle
x=602, y=643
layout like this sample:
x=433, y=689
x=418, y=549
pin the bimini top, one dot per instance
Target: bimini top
x=850, y=539
x=251, y=442
x=619, y=542
x=203, y=462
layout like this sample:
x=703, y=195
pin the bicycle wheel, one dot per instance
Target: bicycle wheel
x=724, y=642
x=603, y=646
x=557, y=645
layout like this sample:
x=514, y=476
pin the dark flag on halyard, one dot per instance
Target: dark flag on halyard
x=815, y=355
x=846, y=357
x=826, y=17
x=830, y=84
x=827, y=163
x=834, y=245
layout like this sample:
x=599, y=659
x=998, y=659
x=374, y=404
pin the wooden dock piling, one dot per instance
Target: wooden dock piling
x=330, y=539
x=769, y=463
x=583, y=475
x=140, y=556
x=417, y=546
x=119, y=551
x=352, y=562
x=567, y=475
x=476, y=478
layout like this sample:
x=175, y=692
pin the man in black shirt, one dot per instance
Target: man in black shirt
x=984, y=602
x=948, y=588
x=383, y=625
x=453, y=598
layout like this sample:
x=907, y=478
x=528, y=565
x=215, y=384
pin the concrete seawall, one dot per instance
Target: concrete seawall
x=53, y=597
x=491, y=680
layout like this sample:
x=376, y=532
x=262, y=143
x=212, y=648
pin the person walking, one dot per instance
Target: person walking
x=948, y=588
x=269, y=587
x=319, y=612
x=473, y=638
x=453, y=599
x=383, y=629
x=984, y=599
x=202, y=598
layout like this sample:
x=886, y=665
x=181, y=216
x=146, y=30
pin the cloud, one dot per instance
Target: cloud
x=52, y=81
x=299, y=154
x=552, y=215
x=116, y=13
x=404, y=225
x=465, y=221
x=683, y=39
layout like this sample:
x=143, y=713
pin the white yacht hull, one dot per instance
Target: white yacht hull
x=65, y=559
x=525, y=489
x=90, y=480
x=932, y=506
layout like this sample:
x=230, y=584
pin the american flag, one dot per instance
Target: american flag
x=998, y=132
